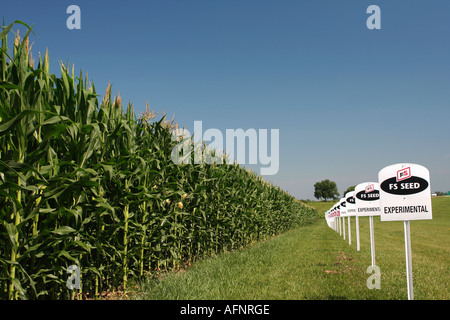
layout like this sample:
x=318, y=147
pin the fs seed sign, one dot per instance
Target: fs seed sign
x=405, y=192
x=405, y=195
x=367, y=199
x=343, y=207
x=350, y=200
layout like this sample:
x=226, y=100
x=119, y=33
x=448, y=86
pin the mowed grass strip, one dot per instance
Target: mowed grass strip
x=314, y=262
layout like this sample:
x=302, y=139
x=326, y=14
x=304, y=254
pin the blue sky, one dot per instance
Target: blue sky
x=347, y=100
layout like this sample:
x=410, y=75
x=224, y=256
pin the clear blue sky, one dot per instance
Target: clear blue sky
x=347, y=100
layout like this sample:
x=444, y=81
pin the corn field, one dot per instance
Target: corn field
x=86, y=182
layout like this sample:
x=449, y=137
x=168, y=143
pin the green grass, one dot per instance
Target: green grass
x=314, y=262
x=321, y=206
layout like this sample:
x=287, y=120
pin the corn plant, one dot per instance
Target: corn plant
x=84, y=181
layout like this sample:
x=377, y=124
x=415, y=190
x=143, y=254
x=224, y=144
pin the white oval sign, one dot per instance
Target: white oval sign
x=343, y=207
x=350, y=200
x=367, y=199
x=405, y=192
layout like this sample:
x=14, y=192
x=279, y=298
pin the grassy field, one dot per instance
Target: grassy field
x=314, y=262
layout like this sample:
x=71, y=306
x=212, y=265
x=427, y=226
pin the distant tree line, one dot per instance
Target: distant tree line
x=326, y=189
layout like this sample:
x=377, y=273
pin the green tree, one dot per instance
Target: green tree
x=326, y=189
x=351, y=188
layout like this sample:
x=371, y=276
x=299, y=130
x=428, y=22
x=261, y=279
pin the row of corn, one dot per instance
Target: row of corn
x=85, y=182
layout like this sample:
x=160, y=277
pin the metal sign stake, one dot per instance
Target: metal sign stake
x=357, y=233
x=349, y=232
x=409, y=278
x=372, y=240
x=343, y=225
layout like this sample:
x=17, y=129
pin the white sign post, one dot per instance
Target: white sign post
x=367, y=203
x=343, y=213
x=331, y=216
x=351, y=211
x=337, y=208
x=338, y=219
x=335, y=220
x=405, y=195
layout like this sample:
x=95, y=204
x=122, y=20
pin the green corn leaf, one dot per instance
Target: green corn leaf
x=7, y=126
x=11, y=230
x=10, y=86
x=63, y=230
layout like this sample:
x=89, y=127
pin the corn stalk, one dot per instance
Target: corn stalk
x=86, y=182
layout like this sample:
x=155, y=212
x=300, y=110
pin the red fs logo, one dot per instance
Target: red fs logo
x=403, y=174
x=369, y=188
